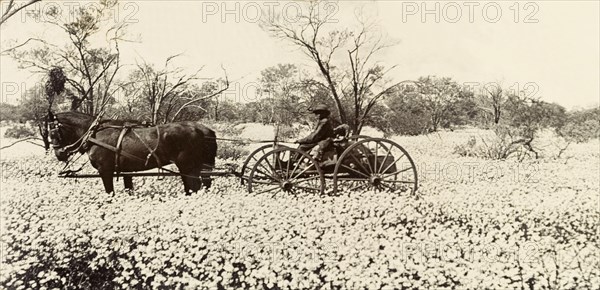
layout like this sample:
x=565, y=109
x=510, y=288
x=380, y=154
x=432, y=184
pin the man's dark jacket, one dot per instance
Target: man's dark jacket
x=323, y=131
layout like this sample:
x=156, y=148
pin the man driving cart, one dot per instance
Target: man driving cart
x=322, y=136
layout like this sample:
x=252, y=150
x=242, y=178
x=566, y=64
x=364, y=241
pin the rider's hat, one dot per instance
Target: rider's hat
x=320, y=108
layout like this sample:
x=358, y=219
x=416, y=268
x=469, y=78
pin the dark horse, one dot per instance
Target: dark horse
x=129, y=146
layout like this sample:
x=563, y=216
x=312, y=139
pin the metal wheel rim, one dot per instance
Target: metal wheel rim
x=413, y=184
x=295, y=176
x=252, y=156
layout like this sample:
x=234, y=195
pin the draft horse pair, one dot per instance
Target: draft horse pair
x=127, y=146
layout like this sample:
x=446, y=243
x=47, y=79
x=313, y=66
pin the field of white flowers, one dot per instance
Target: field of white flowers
x=474, y=224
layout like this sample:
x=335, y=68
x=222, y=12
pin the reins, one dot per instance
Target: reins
x=96, y=126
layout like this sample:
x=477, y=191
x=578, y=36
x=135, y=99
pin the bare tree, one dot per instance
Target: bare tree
x=13, y=8
x=194, y=99
x=165, y=91
x=355, y=85
x=493, y=102
x=90, y=71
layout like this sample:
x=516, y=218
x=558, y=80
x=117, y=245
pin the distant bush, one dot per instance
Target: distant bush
x=507, y=142
x=226, y=130
x=577, y=127
x=9, y=112
x=19, y=131
x=231, y=150
x=468, y=149
x=406, y=117
x=289, y=132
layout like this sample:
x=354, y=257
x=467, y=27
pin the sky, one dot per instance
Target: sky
x=550, y=49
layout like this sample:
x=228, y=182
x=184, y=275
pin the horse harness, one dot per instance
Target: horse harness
x=88, y=137
x=118, y=149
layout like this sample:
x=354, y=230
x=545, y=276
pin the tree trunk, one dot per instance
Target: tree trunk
x=44, y=135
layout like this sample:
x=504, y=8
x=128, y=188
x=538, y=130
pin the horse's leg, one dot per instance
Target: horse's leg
x=107, y=179
x=128, y=182
x=184, y=178
x=191, y=183
x=186, y=187
x=195, y=181
x=207, y=182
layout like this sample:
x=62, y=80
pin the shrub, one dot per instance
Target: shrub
x=468, y=149
x=9, y=112
x=19, y=131
x=578, y=127
x=231, y=150
x=507, y=142
x=287, y=132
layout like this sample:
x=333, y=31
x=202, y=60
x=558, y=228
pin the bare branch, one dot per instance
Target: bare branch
x=226, y=87
x=11, y=9
x=28, y=139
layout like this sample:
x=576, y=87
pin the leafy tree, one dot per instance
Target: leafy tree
x=354, y=85
x=429, y=104
x=578, y=127
x=443, y=99
x=280, y=93
x=408, y=114
x=9, y=112
x=90, y=70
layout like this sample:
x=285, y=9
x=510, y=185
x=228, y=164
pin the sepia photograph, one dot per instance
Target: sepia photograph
x=308, y=144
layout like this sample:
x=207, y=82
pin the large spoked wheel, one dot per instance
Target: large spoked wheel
x=358, y=137
x=252, y=158
x=375, y=163
x=286, y=169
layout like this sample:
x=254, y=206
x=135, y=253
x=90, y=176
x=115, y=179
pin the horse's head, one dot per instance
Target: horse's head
x=54, y=133
x=64, y=131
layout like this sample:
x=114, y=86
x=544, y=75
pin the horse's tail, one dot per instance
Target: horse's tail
x=210, y=148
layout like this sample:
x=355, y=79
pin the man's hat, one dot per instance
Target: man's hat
x=320, y=108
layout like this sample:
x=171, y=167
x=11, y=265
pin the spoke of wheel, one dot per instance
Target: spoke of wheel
x=273, y=169
x=314, y=183
x=263, y=182
x=268, y=190
x=384, y=160
x=267, y=175
x=303, y=171
x=350, y=179
x=304, y=179
x=358, y=162
x=295, y=166
x=254, y=158
x=287, y=166
x=375, y=161
x=387, y=186
x=348, y=167
x=281, y=167
x=367, y=155
x=397, y=172
x=359, y=185
x=392, y=164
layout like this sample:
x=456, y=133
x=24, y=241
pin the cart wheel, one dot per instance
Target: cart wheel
x=287, y=169
x=375, y=163
x=252, y=158
x=358, y=137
